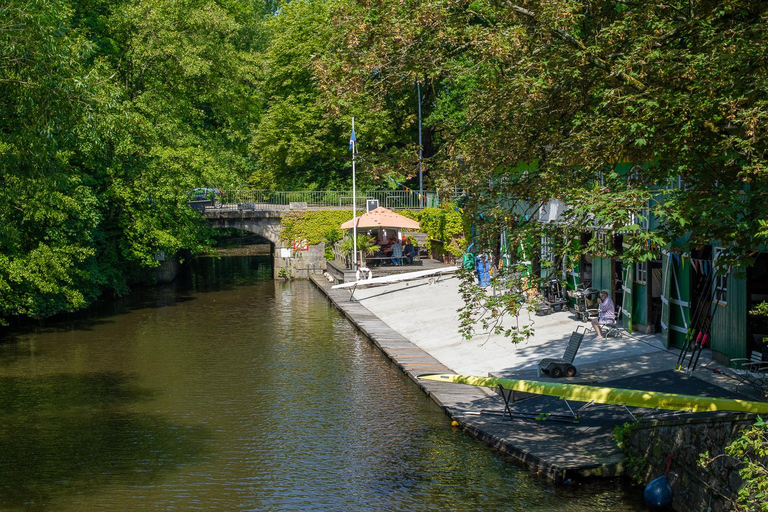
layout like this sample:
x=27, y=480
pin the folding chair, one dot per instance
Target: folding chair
x=752, y=371
x=609, y=330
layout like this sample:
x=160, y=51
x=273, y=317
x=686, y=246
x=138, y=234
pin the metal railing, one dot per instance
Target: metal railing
x=391, y=199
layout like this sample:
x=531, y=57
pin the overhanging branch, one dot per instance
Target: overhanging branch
x=593, y=59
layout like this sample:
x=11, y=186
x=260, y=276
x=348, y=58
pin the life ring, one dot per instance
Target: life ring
x=363, y=270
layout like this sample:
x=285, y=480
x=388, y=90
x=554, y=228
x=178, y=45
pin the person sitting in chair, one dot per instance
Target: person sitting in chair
x=409, y=251
x=607, y=314
x=397, y=253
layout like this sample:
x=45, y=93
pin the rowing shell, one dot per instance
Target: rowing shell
x=398, y=278
x=605, y=395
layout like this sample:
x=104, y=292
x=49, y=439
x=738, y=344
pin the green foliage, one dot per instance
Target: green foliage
x=621, y=435
x=112, y=111
x=365, y=245
x=751, y=451
x=445, y=225
x=284, y=274
x=298, y=144
x=52, y=106
x=490, y=310
x=760, y=310
x=315, y=226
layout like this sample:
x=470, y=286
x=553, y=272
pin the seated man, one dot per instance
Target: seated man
x=607, y=314
x=409, y=251
x=397, y=253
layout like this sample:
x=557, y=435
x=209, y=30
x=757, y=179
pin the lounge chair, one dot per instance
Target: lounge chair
x=752, y=370
x=564, y=366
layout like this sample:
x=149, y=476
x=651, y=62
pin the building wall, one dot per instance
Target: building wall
x=602, y=274
x=729, y=324
x=639, y=305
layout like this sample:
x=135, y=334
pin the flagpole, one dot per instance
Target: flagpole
x=354, y=200
x=421, y=148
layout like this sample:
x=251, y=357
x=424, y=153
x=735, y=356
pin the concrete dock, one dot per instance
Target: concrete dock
x=416, y=325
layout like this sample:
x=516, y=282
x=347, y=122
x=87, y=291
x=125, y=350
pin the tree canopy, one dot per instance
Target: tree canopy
x=615, y=108
x=113, y=110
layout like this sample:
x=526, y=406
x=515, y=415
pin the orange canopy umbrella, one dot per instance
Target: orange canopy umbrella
x=382, y=218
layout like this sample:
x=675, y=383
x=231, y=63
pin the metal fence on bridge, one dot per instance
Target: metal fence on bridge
x=391, y=199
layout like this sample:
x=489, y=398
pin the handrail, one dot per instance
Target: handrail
x=390, y=199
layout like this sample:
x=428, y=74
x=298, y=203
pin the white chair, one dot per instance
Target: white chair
x=613, y=329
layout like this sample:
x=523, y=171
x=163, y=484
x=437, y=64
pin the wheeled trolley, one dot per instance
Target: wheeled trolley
x=586, y=303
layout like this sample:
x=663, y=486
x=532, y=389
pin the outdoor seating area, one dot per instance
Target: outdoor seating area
x=391, y=244
x=752, y=371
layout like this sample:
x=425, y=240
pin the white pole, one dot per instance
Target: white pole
x=354, y=202
x=421, y=149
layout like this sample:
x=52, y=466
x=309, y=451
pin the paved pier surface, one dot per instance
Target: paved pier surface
x=415, y=325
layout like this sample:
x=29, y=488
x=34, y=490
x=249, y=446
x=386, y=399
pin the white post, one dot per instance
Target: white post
x=421, y=149
x=354, y=202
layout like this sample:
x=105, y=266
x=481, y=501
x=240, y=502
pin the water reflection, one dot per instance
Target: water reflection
x=231, y=391
x=67, y=434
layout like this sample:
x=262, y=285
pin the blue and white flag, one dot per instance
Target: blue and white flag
x=352, y=140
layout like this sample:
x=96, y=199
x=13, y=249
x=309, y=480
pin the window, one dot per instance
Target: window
x=641, y=272
x=602, y=242
x=641, y=219
x=547, y=249
x=721, y=289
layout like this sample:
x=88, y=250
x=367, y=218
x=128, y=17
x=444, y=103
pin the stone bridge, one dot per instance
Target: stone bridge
x=265, y=222
x=260, y=213
x=262, y=222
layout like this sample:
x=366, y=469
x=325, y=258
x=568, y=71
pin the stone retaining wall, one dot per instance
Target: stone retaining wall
x=300, y=264
x=694, y=488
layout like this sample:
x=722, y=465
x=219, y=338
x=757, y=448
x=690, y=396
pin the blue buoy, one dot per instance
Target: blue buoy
x=658, y=493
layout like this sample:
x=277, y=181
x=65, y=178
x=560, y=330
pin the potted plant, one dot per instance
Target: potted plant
x=365, y=246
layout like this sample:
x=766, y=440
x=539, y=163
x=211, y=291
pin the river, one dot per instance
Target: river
x=230, y=391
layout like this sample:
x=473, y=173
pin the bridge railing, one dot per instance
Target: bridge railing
x=391, y=199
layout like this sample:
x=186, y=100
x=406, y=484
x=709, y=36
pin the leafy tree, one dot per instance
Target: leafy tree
x=49, y=211
x=187, y=91
x=750, y=451
x=113, y=111
x=366, y=246
x=609, y=106
x=302, y=139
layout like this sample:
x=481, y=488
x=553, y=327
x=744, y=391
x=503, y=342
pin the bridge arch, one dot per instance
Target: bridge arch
x=266, y=224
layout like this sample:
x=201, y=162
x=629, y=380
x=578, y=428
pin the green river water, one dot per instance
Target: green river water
x=230, y=391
